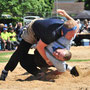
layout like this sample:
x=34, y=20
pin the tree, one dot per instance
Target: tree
x=41, y=7
x=3, y=7
x=20, y=7
x=87, y=4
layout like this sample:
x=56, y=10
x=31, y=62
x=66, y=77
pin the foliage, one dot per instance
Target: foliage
x=20, y=7
x=4, y=57
x=78, y=60
x=87, y=4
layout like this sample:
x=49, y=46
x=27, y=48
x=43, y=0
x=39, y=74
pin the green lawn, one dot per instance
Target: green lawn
x=4, y=57
x=78, y=60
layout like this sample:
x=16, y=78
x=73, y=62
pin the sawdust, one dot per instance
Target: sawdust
x=19, y=79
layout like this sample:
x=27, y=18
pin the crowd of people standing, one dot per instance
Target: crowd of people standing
x=84, y=26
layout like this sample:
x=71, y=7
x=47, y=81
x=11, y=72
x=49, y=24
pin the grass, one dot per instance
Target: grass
x=78, y=60
x=4, y=57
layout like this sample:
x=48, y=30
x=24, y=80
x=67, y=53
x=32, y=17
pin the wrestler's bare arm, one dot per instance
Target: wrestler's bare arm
x=64, y=14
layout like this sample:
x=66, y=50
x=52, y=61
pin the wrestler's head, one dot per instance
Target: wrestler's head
x=62, y=54
x=69, y=24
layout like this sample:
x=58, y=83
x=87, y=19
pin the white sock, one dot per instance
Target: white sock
x=69, y=68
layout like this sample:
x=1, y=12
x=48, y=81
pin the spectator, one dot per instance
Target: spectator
x=89, y=26
x=14, y=42
x=5, y=41
x=19, y=30
x=1, y=27
x=81, y=26
x=5, y=26
x=10, y=27
x=85, y=24
x=78, y=21
x=85, y=27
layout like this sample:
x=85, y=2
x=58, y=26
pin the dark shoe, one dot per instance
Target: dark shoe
x=3, y=75
x=75, y=71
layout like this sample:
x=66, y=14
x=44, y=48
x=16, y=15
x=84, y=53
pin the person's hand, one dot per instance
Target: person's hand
x=4, y=41
x=62, y=12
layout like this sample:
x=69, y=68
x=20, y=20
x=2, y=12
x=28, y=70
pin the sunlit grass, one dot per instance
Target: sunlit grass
x=78, y=60
x=4, y=57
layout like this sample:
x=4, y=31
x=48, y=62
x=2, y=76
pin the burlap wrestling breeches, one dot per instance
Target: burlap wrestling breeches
x=28, y=35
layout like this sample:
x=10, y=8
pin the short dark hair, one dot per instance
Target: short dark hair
x=68, y=55
x=69, y=24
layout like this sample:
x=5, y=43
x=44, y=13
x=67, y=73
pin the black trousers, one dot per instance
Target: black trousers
x=8, y=45
x=21, y=55
x=39, y=61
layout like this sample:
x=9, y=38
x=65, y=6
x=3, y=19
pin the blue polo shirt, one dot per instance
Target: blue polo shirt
x=48, y=30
